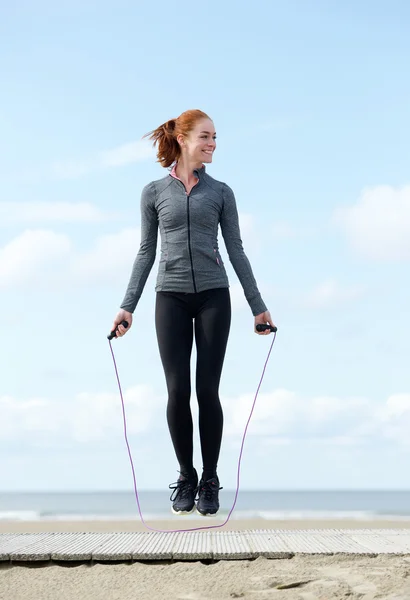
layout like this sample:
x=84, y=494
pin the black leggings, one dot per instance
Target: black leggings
x=174, y=315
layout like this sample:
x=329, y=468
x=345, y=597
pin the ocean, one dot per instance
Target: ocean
x=155, y=505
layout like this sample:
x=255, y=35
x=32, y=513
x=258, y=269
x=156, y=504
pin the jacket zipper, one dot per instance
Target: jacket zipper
x=189, y=231
x=189, y=244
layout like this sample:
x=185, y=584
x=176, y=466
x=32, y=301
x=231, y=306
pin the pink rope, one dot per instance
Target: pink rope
x=239, y=459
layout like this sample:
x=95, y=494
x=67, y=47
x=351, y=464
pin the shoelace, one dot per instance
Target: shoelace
x=209, y=490
x=182, y=489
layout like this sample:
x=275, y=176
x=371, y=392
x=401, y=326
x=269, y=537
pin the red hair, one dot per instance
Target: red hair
x=166, y=134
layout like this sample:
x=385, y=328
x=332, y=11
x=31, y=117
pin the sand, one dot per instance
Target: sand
x=187, y=522
x=303, y=577
x=316, y=577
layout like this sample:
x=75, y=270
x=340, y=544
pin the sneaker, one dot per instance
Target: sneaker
x=208, y=497
x=183, y=496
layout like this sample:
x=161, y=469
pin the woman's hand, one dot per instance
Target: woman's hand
x=264, y=319
x=123, y=315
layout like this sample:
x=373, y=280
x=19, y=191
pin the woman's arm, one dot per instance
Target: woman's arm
x=146, y=254
x=232, y=236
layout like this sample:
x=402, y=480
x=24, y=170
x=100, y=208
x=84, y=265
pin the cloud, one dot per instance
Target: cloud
x=279, y=417
x=284, y=413
x=88, y=418
x=274, y=413
x=337, y=440
x=331, y=294
x=394, y=419
x=117, y=157
x=109, y=260
x=282, y=416
x=97, y=415
x=47, y=212
x=41, y=258
x=31, y=257
x=72, y=169
x=128, y=153
x=378, y=225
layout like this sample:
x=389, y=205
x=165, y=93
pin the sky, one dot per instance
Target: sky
x=310, y=102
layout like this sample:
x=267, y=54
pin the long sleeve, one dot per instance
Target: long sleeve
x=231, y=233
x=146, y=254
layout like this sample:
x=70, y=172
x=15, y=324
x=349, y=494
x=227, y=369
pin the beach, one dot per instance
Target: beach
x=316, y=577
x=302, y=577
x=192, y=522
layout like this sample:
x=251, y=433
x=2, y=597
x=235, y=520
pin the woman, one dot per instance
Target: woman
x=192, y=293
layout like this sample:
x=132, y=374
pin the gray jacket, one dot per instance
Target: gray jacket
x=190, y=261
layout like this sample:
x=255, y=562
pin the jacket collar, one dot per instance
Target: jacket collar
x=198, y=172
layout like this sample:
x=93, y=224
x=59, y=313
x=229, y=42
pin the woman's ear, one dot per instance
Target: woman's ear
x=180, y=140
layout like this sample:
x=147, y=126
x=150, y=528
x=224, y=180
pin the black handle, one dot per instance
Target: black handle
x=261, y=327
x=112, y=334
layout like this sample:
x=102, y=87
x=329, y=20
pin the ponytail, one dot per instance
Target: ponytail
x=168, y=148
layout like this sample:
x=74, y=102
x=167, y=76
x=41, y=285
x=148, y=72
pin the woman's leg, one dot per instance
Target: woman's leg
x=174, y=328
x=212, y=325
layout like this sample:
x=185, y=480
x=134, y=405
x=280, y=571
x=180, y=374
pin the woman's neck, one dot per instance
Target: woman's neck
x=185, y=171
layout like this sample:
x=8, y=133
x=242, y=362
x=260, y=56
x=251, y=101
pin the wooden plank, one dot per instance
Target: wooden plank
x=156, y=546
x=268, y=543
x=193, y=545
x=80, y=546
x=401, y=542
x=220, y=545
x=305, y=542
x=119, y=546
x=231, y=545
x=19, y=542
x=42, y=548
x=377, y=543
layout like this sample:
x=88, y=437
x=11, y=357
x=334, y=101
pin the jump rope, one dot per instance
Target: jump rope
x=112, y=335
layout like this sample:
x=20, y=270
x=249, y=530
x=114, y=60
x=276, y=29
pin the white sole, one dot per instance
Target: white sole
x=206, y=514
x=182, y=512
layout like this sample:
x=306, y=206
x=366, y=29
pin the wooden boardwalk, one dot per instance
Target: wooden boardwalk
x=221, y=545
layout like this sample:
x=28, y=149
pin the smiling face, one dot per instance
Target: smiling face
x=199, y=145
